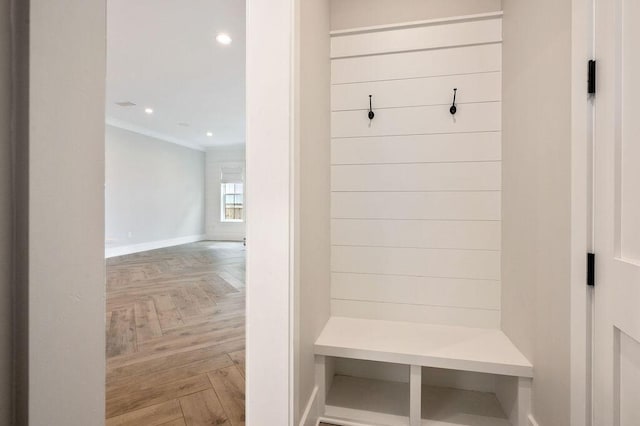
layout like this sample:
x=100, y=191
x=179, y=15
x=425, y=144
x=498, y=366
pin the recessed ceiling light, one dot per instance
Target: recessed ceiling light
x=223, y=38
x=209, y=134
x=148, y=110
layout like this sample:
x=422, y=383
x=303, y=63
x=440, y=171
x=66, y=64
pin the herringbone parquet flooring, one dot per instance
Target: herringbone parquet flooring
x=175, y=336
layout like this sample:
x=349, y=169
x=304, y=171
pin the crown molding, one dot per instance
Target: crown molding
x=152, y=134
x=413, y=24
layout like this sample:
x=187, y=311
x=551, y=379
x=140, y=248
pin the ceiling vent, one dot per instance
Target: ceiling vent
x=125, y=104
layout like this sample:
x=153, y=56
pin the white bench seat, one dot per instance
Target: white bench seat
x=419, y=345
x=457, y=348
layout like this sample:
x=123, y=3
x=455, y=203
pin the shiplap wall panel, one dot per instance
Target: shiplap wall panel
x=464, y=317
x=417, y=38
x=480, y=176
x=481, y=294
x=444, y=263
x=472, y=88
x=416, y=192
x=426, y=63
x=477, y=117
x=417, y=148
x=483, y=235
x=416, y=205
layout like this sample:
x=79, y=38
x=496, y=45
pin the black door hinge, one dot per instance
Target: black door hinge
x=592, y=77
x=591, y=269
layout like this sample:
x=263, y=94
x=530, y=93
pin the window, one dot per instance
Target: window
x=232, y=202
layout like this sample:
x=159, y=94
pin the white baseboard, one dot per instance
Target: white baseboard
x=226, y=236
x=310, y=415
x=340, y=422
x=532, y=421
x=152, y=245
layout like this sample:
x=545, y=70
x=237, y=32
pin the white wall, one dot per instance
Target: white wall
x=66, y=290
x=6, y=219
x=537, y=227
x=416, y=191
x=364, y=13
x=154, y=190
x=312, y=223
x=217, y=158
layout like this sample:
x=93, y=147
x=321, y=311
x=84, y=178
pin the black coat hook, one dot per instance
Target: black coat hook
x=453, y=108
x=371, y=113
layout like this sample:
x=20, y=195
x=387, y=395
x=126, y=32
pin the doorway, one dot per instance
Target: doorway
x=60, y=158
x=175, y=213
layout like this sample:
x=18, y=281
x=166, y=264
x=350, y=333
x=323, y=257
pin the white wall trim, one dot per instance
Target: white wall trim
x=582, y=47
x=152, y=134
x=532, y=421
x=438, y=21
x=151, y=245
x=310, y=415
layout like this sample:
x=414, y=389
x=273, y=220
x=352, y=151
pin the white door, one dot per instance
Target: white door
x=616, y=354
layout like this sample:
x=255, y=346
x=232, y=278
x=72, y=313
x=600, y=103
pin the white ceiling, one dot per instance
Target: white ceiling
x=162, y=54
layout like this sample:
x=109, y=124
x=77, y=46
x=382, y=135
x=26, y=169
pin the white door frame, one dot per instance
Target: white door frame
x=581, y=213
x=270, y=180
x=66, y=359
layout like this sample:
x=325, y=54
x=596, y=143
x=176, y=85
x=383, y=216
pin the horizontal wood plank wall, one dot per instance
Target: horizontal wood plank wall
x=416, y=192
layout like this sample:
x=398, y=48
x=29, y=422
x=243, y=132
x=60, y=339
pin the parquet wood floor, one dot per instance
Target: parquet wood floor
x=176, y=336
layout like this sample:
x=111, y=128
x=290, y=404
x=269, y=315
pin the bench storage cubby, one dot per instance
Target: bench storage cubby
x=352, y=400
